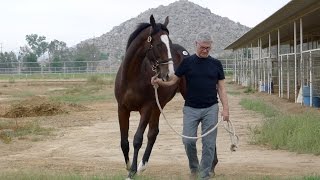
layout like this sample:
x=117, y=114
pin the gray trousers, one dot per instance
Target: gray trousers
x=208, y=117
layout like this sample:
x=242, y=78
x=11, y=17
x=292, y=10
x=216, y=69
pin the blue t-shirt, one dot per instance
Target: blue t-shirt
x=202, y=76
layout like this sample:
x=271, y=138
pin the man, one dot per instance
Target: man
x=205, y=79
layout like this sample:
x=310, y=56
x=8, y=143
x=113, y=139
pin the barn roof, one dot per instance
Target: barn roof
x=308, y=10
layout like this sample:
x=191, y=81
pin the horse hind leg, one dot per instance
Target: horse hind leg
x=123, y=116
x=152, y=136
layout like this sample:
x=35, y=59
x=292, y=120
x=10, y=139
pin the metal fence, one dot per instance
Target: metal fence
x=68, y=67
x=292, y=75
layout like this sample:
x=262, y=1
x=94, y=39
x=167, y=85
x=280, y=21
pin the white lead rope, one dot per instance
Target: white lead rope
x=233, y=137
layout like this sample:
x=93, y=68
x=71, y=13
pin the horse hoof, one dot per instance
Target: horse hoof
x=131, y=175
x=142, y=167
x=128, y=166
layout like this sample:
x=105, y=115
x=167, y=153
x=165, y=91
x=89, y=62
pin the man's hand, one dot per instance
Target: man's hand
x=155, y=80
x=225, y=115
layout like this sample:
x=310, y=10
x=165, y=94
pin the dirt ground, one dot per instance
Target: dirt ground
x=88, y=142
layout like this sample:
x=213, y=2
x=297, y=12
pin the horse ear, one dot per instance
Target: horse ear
x=152, y=21
x=166, y=22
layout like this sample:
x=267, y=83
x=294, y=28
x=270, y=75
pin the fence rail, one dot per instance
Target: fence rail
x=75, y=67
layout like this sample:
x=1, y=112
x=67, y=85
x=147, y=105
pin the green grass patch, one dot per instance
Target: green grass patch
x=84, y=93
x=48, y=76
x=234, y=93
x=249, y=90
x=259, y=106
x=23, y=175
x=12, y=129
x=298, y=133
x=24, y=94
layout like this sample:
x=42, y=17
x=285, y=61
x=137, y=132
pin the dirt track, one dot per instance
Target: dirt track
x=88, y=142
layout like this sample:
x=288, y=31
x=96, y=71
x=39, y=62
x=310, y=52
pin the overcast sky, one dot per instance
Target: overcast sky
x=72, y=21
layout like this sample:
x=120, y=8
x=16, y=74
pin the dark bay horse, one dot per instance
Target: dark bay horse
x=149, y=52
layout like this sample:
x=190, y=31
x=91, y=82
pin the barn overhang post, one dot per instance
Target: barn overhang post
x=259, y=65
x=279, y=65
x=247, y=66
x=288, y=76
x=235, y=66
x=311, y=81
x=269, y=66
x=251, y=66
x=301, y=58
x=241, y=66
x=295, y=61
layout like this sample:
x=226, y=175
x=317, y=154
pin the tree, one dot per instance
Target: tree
x=88, y=52
x=58, y=53
x=37, y=44
x=27, y=57
x=8, y=60
x=84, y=54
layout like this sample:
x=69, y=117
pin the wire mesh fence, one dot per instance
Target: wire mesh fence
x=290, y=75
x=70, y=69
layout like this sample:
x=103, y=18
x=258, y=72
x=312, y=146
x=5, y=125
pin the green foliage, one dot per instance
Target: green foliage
x=31, y=60
x=37, y=44
x=299, y=133
x=80, y=63
x=58, y=53
x=87, y=52
x=8, y=60
x=104, y=56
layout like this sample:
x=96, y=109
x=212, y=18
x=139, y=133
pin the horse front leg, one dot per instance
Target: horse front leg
x=138, y=139
x=152, y=136
x=123, y=115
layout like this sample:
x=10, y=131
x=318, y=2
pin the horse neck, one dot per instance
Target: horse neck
x=135, y=55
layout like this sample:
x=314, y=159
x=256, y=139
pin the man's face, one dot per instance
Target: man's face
x=203, y=48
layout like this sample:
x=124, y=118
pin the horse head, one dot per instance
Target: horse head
x=159, y=50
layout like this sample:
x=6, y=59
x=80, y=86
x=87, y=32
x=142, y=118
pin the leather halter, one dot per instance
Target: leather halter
x=157, y=62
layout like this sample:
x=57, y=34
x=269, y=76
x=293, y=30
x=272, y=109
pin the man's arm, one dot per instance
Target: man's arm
x=172, y=80
x=224, y=100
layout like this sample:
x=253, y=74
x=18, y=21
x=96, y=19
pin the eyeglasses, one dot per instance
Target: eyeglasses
x=202, y=48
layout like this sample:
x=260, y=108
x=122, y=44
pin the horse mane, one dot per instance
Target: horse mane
x=143, y=26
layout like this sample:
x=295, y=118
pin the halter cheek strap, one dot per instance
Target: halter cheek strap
x=154, y=66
